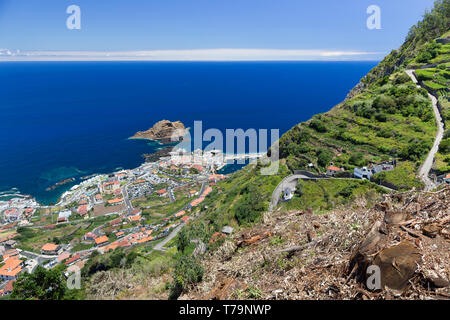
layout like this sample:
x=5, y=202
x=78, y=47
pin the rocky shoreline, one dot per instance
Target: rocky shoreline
x=164, y=131
x=155, y=156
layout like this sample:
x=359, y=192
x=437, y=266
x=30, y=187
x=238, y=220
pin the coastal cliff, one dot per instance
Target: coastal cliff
x=164, y=131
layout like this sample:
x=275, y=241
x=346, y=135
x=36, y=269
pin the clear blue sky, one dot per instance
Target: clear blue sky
x=118, y=25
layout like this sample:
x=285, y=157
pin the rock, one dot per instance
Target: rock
x=397, y=265
x=374, y=240
x=395, y=217
x=431, y=230
x=164, y=131
x=439, y=282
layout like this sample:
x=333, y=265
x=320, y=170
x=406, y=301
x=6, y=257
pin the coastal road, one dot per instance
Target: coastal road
x=291, y=182
x=159, y=246
x=171, y=195
x=426, y=166
x=127, y=200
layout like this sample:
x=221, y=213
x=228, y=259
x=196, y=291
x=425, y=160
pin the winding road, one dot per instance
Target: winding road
x=426, y=166
x=289, y=181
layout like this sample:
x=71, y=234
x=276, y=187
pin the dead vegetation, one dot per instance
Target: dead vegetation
x=302, y=255
x=122, y=284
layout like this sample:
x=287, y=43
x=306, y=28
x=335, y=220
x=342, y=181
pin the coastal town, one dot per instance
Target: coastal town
x=141, y=206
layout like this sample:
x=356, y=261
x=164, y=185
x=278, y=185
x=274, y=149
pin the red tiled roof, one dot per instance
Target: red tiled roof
x=134, y=218
x=180, y=213
x=63, y=256
x=82, y=209
x=101, y=240
x=11, y=267
x=49, y=247
x=73, y=259
x=115, y=200
x=333, y=168
x=115, y=221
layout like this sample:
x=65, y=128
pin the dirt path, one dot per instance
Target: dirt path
x=426, y=166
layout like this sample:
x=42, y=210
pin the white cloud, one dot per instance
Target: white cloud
x=202, y=55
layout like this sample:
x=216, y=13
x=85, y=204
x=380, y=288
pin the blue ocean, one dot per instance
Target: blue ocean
x=72, y=119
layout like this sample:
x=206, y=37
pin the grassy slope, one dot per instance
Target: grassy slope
x=385, y=117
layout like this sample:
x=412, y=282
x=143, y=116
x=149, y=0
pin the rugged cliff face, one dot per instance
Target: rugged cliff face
x=164, y=131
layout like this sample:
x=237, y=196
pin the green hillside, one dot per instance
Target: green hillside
x=386, y=116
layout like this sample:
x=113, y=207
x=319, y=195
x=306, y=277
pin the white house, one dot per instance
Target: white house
x=287, y=194
x=362, y=173
x=64, y=214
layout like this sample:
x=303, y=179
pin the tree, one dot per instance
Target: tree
x=42, y=284
x=182, y=240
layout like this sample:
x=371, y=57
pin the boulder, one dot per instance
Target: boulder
x=397, y=264
x=431, y=230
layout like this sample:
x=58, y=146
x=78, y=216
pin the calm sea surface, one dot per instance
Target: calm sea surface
x=72, y=119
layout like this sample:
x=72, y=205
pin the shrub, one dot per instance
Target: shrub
x=385, y=133
x=317, y=125
x=357, y=159
x=383, y=102
x=444, y=147
x=401, y=78
x=424, y=57
x=380, y=117
x=414, y=150
x=323, y=157
x=249, y=206
x=187, y=272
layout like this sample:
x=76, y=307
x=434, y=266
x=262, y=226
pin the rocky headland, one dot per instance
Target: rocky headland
x=164, y=131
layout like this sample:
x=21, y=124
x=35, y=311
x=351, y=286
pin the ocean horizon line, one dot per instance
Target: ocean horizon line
x=216, y=54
